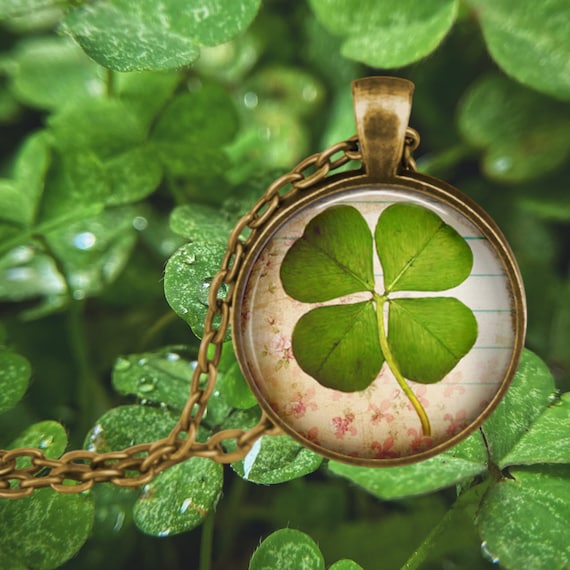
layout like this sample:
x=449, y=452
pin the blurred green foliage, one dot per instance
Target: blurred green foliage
x=133, y=134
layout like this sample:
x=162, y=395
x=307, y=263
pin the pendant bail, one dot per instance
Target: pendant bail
x=382, y=107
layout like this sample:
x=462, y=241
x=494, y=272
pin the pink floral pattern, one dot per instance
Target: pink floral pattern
x=384, y=450
x=379, y=422
x=457, y=422
x=343, y=425
x=301, y=403
x=381, y=412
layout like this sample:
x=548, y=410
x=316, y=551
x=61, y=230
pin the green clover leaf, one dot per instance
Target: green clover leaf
x=344, y=346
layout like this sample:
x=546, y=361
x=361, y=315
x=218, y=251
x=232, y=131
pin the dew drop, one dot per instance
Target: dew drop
x=172, y=357
x=250, y=100
x=189, y=258
x=21, y=254
x=488, y=554
x=309, y=93
x=96, y=439
x=503, y=164
x=147, y=384
x=140, y=223
x=45, y=443
x=142, y=361
x=187, y=502
x=163, y=533
x=122, y=364
x=84, y=240
x=119, y=521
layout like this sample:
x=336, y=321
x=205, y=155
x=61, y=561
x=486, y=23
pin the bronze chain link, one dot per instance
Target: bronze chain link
x=25, y=469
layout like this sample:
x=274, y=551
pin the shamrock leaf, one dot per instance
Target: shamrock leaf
x=344, y=346
x=419, y=252
x=345, y=352
x=340, y=262
x=443, y=326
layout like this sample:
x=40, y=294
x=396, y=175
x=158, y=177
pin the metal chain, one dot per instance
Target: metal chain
x=25, y=469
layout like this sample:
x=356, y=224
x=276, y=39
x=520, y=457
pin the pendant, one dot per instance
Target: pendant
x=379, y=314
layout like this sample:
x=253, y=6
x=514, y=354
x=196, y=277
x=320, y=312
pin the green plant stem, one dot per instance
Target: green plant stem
x=207, y=543
x=91, y=398
x=109, y=82
x=158, y=326
x=467, y=501
x=390, y=360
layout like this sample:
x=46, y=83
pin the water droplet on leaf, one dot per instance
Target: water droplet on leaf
x=165, y=532
x=140, y=223
x=185, y=505
x=487, y=553
x=147, y=384
x=84, y=240
x=96, y=438
x=45, y=443
x=122, y=364
x=250, y=100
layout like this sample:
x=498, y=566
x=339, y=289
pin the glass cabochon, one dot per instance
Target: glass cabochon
x=379, y=421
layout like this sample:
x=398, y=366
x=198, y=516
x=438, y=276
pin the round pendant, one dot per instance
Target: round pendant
x=380, y=317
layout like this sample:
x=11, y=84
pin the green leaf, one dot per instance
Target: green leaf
x=124, y=426
x=420, y=252
x=47, y=436
x=19, y=7
x=15, y=373
x=146, y=93
x=51, y=72
x=14, y=207
x=291, y=88
x=95, y=250
x=287, y=549
x=45, y=529
x=132, y=175
x=276, y=459
x=200, y=222
x=387, y=34
x=523, y=134
x=464, y=461
x=20, y=196
x=231, y=381
x=338, y=345
x=523, y=521
x=30, y=169
x=429, y=336
x=191, y=131
x=345, y=565
x=205, y=117
x=105, y=127
x=530, y=393
x=547, y=439
x=76, y=189
x=127, y=35
x=529, y=41
x=162, y=377
x=332, y=258
x=27, y=274
x=113, y=513
x=180, y=498
x=187, y=278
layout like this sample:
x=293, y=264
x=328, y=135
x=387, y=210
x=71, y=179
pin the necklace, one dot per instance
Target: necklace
x=378, y=315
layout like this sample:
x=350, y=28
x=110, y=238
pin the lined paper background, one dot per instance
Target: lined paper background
x=379, y=421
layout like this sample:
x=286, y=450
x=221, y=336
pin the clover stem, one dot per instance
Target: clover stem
x=390, y=360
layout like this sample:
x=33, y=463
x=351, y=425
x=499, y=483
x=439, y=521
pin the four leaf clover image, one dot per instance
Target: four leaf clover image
x=421, y=339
